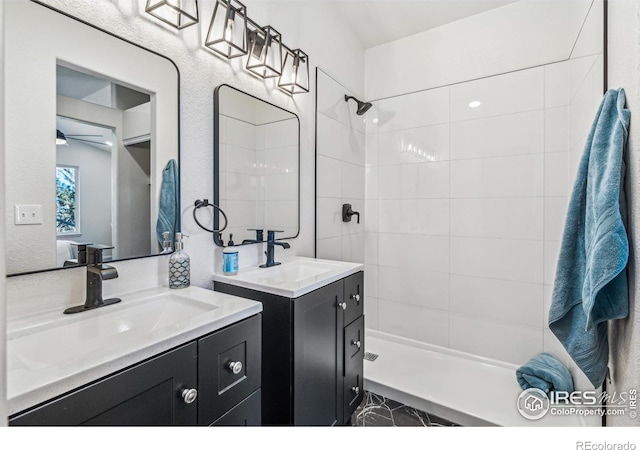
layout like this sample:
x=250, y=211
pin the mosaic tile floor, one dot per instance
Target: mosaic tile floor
x=378, y=411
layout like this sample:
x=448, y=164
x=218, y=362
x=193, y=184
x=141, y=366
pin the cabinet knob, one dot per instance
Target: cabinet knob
x=356, y=390
x=343, y=305
x=189, y=395
x=356, y=343
x=356, y=297
x=235, y=367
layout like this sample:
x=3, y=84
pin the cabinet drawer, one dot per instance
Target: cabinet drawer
x=229, y=367
x=353, y=366
x=353, y=296
x=246, y=414
x=354, y=345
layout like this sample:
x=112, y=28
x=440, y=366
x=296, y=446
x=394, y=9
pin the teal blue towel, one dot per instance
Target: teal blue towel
x=545, y=372
x=591, y=282
x=168, y=205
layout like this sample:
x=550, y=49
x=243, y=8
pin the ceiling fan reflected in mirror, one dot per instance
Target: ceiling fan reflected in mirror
x=61, y=138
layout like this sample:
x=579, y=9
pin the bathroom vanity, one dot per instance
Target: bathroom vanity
x=159, y=358
x=313, y=338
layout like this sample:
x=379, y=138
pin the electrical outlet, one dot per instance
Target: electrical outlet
x=28, y=214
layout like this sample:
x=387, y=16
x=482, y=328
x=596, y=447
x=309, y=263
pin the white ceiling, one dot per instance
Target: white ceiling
x=376, y=22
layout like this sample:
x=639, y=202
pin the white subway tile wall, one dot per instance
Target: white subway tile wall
x=340, y=174
x=465, y=202
x=470, y=212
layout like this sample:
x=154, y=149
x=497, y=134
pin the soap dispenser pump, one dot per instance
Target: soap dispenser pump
x=166, y=243
x=179, y=265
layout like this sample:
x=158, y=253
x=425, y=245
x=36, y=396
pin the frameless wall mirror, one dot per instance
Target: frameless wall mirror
x=88, y=138
x=256, y=168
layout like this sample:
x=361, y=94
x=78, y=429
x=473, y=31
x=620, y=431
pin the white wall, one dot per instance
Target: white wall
x=624, y=71
x=478, y=46
x=30, y=171
x=465, y=206
x=3, y=315
x=201, y=72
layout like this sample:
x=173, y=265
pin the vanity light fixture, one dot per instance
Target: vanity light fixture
x=228, y=29
x=61, y=139
x=265, y=51
x=177, y=13
x=295, y=72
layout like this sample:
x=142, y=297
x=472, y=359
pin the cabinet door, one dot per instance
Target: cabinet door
x=229, y=368
x=317, y=341
x=149, y=393
x=353, y=297
x=246, y=413
x=353, y=366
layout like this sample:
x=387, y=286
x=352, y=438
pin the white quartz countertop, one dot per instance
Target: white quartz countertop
x=51, y=353
x=293, y=278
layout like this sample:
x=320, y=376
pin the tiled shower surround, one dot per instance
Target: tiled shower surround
x=464, y=206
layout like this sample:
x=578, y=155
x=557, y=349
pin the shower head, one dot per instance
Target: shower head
x=362, y=106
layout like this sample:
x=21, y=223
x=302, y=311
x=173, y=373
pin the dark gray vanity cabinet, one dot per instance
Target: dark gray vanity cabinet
x=312, y=349
x=214, y=380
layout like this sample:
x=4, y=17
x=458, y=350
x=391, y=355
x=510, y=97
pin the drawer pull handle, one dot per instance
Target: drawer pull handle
x=356, y=390
x=343, y=305
x=189, y=395
x=235, y=367
x=356, y=297
x=356, y=343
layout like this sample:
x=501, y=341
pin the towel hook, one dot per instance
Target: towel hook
x=203, y=203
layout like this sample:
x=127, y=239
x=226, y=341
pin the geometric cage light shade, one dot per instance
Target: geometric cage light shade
x=295, y=72
x=265, y=52
x=177, y=13
x=227, y=35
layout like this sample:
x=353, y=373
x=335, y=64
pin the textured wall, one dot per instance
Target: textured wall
x=624, y=71
x=201, y=72
x=3, y=384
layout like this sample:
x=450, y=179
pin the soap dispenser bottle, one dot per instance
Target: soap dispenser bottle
x=179, y=265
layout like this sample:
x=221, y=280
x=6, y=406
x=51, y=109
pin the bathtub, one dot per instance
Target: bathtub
x=457, y=386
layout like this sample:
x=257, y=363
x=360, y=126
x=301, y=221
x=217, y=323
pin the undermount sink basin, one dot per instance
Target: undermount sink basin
x=294, y=277
x=51, y=353
x=53, y=345
x=293, y=272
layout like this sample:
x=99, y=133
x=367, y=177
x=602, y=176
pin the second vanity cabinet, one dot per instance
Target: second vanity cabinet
x=213, y=380
x=312, y=348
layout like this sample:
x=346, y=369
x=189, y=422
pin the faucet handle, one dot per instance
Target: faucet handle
x=271, y=234
x=94, y=253
x=81, y=253
x=259, y=233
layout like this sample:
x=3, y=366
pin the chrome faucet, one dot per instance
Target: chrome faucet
x=271, y=243
x=96, y=273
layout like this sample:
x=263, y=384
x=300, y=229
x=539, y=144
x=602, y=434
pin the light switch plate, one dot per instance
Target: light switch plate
x=28, y=214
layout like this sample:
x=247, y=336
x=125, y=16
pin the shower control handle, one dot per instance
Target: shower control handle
x=347, y=212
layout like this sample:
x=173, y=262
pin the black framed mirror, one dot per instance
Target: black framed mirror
x=89, y=136
x=256, y=168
